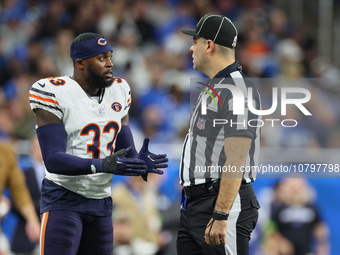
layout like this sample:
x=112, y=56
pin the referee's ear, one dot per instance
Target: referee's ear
x=211, y=46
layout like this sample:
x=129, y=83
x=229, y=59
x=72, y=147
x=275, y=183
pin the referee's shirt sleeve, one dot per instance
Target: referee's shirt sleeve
x=238, y=124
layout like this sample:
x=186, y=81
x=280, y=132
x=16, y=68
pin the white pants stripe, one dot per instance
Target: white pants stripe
x=231, y=238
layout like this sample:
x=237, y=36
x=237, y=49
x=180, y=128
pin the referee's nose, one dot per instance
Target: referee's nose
x=192, y=48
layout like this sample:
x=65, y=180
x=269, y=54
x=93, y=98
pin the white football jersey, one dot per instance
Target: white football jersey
x=91, y=127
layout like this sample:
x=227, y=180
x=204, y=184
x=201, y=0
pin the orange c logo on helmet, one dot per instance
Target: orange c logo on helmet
x=102, y=41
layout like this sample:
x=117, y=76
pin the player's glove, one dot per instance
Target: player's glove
x=118, y=164
x=152, y=161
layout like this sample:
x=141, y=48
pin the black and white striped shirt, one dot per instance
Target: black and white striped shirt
x=203, y=153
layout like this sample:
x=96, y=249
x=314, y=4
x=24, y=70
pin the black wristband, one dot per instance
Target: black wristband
x=217, y=215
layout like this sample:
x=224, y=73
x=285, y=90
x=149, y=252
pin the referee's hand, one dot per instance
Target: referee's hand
x=216, y=232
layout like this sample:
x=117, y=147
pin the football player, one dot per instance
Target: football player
x=82, y=127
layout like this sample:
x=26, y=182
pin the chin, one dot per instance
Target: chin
x=108, y=85
x=105, y=83
x=109, y=82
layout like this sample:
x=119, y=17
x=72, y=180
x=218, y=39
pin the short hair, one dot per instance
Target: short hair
x=225, y=51
x=85, y=37
x=222, y=50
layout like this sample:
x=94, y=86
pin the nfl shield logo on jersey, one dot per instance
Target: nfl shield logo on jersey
x=101, y=110
x=116, y=106
x=201, y=123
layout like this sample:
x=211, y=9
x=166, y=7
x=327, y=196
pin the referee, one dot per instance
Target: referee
x=219, y=208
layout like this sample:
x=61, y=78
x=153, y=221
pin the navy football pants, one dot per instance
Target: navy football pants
x=72, y=233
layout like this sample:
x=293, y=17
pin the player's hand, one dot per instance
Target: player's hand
x=118, y=164
x=152, y=161
x=216, y=232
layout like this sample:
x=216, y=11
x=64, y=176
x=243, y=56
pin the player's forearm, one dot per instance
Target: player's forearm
x=125, y=140
x=52, y=140
x=65, y=164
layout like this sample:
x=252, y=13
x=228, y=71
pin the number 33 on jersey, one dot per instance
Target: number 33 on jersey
x=91, y=127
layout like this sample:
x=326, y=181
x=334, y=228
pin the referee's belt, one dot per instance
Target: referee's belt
x=200, y=189
x=208, y=187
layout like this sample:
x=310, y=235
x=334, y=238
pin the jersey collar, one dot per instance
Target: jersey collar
x=229, y=69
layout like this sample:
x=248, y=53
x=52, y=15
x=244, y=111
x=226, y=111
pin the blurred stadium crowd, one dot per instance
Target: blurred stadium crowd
x=153, y=56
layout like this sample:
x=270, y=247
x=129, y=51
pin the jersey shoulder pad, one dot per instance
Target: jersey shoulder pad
x=51, y=83
x=117, y=80
x=120, y=81
x=44, y=95
x=122, y=84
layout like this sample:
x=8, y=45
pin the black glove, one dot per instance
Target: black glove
x=152, y=161
x=118, y=164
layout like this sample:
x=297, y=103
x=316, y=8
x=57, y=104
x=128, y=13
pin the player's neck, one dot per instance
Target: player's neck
x=90, y=90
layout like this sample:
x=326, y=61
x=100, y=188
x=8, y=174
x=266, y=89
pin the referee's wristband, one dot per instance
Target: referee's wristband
x=217, y=215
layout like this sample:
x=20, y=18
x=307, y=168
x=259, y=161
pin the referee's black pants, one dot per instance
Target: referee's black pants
x=199, y=209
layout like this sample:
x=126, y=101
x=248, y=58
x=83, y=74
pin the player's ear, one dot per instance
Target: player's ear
x=80, y=63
